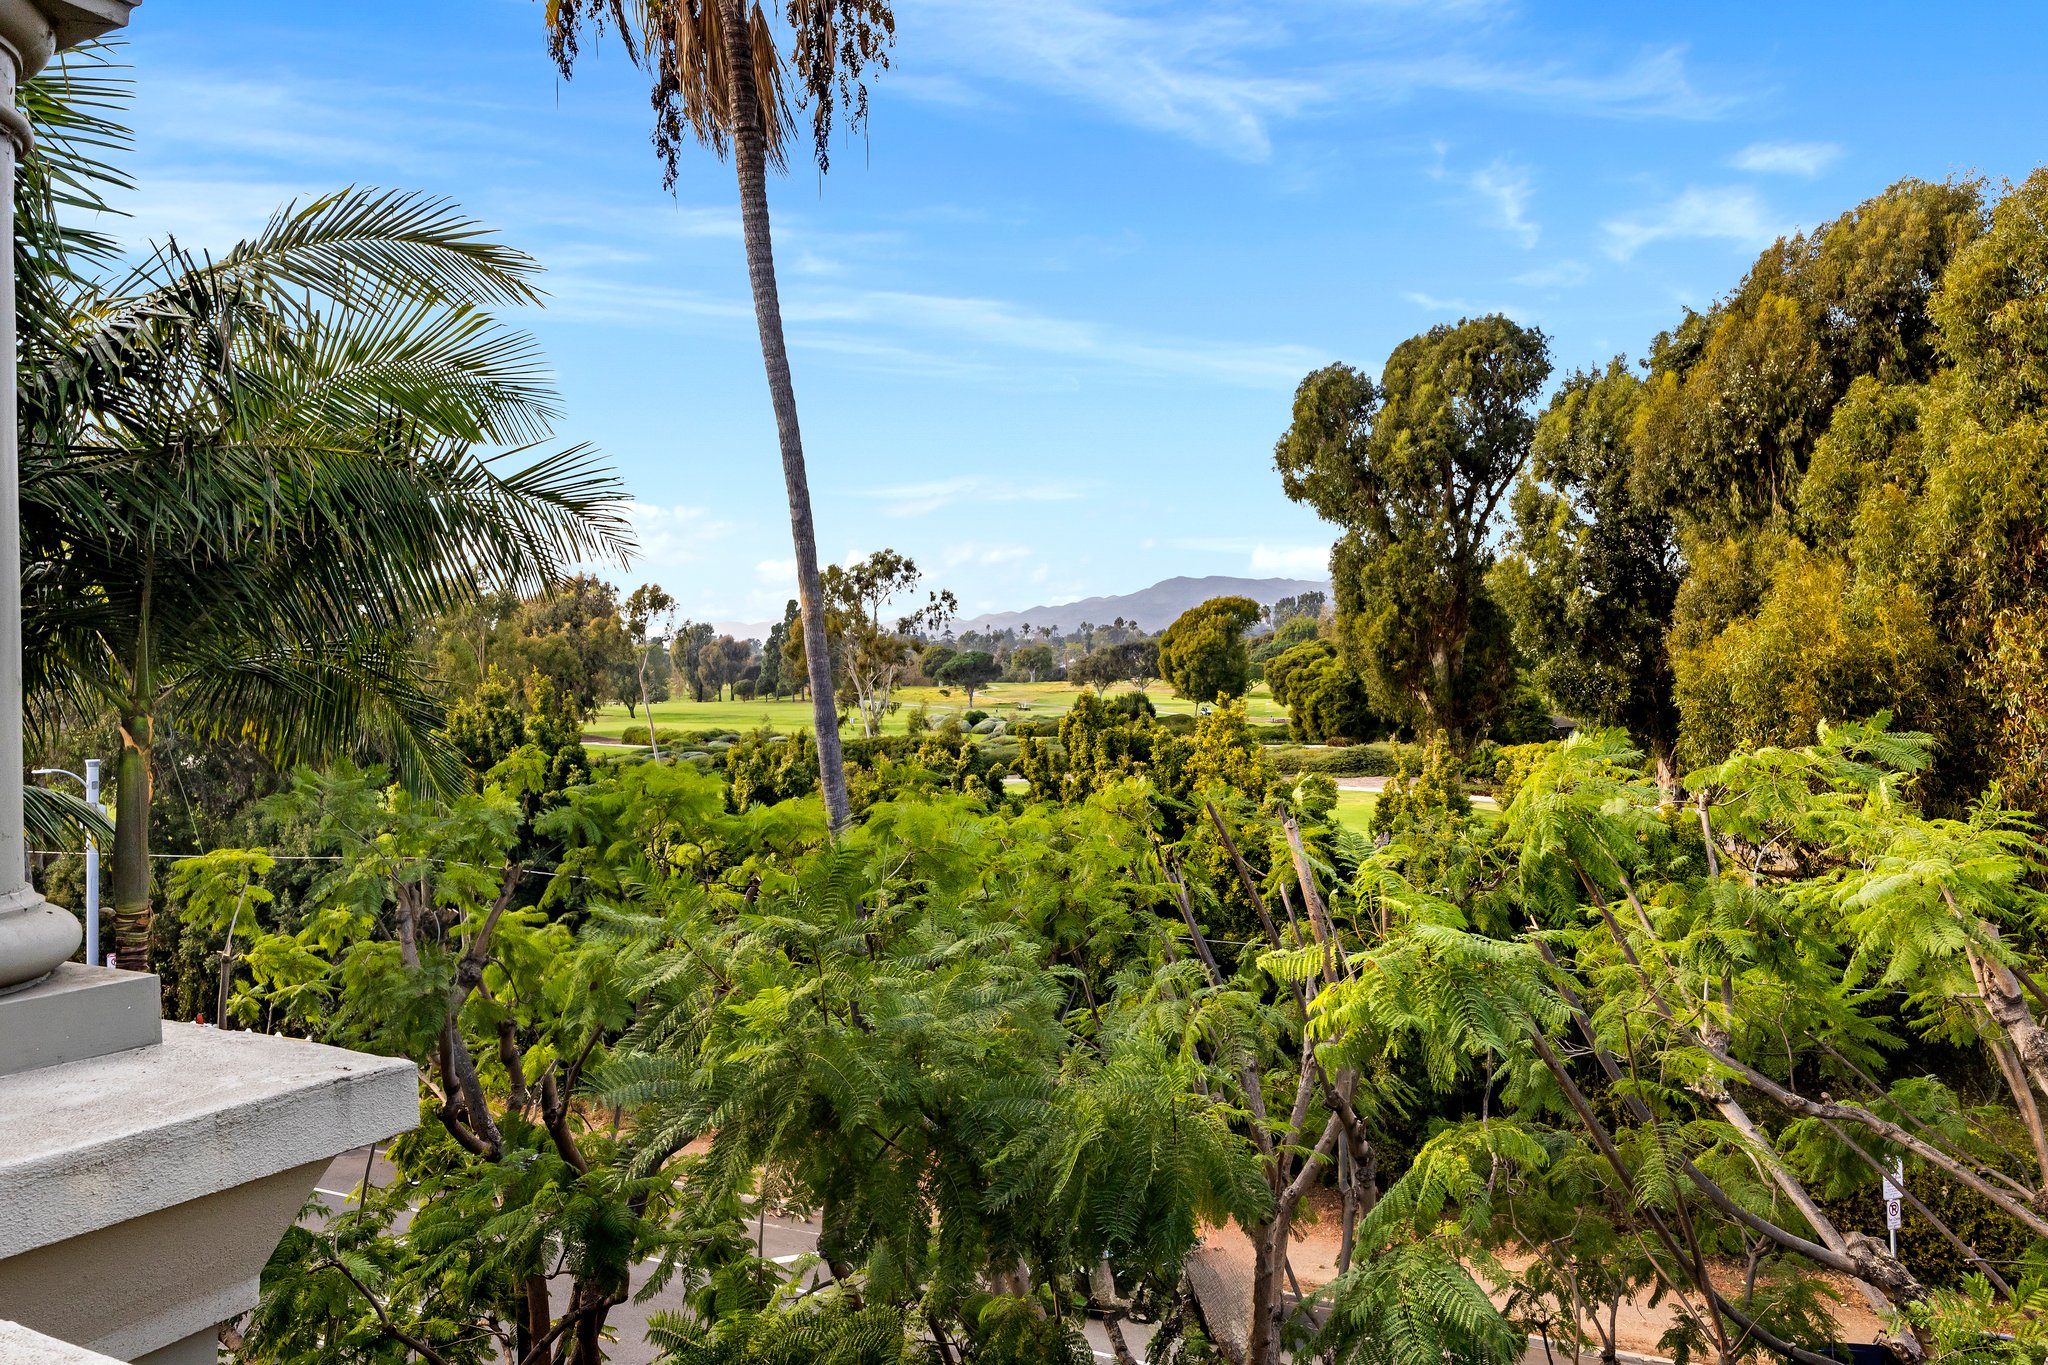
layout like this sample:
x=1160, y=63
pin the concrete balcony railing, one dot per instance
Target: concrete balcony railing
x=148, y=1169
x=19, y=1346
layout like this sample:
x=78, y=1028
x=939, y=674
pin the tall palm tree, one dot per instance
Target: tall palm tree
x=246, y=480
x=719, y=69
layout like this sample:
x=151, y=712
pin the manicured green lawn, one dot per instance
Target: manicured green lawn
x=1354, y=808
x=1007, y=700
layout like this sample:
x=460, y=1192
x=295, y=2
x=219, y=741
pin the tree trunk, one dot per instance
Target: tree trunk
x=132, y=771
x=1261, y=1336
x=1666, y=763
x=653, y=744
x=131, y=841
x=750, y=158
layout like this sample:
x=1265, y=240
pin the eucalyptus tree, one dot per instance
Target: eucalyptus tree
x=1592, y=577
x=722, y=75
x=247, y=481
x=649, y=614
x=871, y=651
x=1414, y=468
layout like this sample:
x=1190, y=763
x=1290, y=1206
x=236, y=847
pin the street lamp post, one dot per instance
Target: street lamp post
x=34, y=935
x=91, y=783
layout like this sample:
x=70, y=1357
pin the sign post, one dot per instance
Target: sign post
x=1894, y=1198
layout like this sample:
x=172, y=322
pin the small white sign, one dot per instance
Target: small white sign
x=1894, y=1196
x=1891, y=1214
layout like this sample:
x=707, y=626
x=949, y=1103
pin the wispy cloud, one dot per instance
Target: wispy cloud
x=932, y=495
x=1222, y=74
x=1180, y=74
x=1733, y=214
x=955, y=556
x=1655, y=84
x=1009, y=327
x=1507, y=189
x=1565, y=274
x=1291, y=561
x=932, y=334
x=1435, y=304
x=675, y=533
x=1267, y=558
x=1807, y=159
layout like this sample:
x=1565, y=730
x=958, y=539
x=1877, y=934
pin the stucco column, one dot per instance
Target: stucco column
x=34, y=935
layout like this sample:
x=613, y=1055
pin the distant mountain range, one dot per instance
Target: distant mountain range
x=1153, y=608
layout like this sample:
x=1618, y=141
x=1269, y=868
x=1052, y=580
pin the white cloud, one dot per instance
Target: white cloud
x=1222, y=74
x=1654, y=85
x=933, y=335
x=669, y=541
x=1434, y=304
x=1003, y=326
x=1507, y=188
x=676, y=533
x=932, y=495
x=955, y=556
x=774, y=571
x=1177, y=75
x=1736, y=215
x=1291, y=561
x=1806, y=159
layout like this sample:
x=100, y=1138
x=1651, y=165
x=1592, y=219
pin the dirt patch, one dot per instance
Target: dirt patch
x=1639, y=1325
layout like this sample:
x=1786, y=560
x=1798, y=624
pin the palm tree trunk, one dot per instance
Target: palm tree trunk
x=131, y=841
x=750, y=157
x=133, y=773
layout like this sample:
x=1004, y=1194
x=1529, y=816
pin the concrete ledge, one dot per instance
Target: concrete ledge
x=100, y=1142
x=19, y=1346
x=165, y=1278
x=76, y=1014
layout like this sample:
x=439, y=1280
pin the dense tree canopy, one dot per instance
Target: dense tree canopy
x=1594, y=573
x=1896, y=566
x=1740, y=394
x=1203, y=655
x=970, y=670
x=1414, y=468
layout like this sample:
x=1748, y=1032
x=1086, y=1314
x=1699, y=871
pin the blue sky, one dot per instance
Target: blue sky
x=1047, y=318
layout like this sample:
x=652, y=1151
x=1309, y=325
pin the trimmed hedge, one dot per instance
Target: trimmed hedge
x=1350, y=760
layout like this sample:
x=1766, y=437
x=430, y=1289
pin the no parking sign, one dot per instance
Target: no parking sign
x=1894, y=1199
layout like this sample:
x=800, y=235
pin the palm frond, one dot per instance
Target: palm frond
x=60, y=819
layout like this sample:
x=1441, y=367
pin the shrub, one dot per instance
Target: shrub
x=1512, y=765
x=1350, y=760
x=1424, y=799
x=1132, y=705
x=765, y=769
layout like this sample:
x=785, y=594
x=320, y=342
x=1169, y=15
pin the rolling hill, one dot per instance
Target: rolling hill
x=1152, y=608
